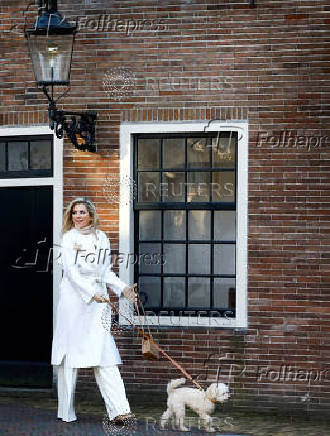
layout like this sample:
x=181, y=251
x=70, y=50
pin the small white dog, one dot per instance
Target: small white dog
x=201, y=402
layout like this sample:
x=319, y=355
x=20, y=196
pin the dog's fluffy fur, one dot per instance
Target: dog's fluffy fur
x=199, y=401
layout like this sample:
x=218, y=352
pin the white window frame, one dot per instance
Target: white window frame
x=126, y=221
x=56, y=181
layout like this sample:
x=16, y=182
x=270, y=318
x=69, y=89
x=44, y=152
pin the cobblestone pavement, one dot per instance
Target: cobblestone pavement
x=24, y=417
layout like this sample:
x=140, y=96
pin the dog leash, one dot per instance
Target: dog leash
x=173, y=361
x=149, y=337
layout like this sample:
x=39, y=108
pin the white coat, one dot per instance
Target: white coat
x=79, y=332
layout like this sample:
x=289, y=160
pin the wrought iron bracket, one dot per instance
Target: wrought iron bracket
x=80, y=131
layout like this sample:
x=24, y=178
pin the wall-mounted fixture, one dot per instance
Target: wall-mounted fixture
x=50, y=45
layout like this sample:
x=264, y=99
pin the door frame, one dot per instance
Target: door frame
x=56, y=181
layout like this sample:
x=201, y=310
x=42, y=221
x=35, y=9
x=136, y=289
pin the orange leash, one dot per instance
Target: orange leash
x=148, y=337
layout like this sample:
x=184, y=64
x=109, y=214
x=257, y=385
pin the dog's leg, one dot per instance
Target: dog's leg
x=180, y=415
x=208, y=422
x=164, y=419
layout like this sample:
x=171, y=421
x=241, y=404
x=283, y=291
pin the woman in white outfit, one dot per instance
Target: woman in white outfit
x=80, y=340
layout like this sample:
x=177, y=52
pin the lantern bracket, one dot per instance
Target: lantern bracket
x=81, y=132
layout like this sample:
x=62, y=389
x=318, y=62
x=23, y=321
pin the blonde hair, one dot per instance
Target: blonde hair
x=67, y=218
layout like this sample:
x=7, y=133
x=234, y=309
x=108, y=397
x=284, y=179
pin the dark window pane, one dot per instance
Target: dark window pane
x=224, y=293
x=150, y=223
x=198, y=152
x=40, y=155
x=174, y=292
x=148, y=187
x=223, y=150
x=148, y=153
x=198, y=187
x=149, y=288
x=224, y=258
x=2, y=156
x=224, y=225
x=175, y=258
x=199, y=259
x=174, y=153
x=198, y=292
x=150, y=258
x=223, y=186
x=203, y=172
x=173, y=186
x=174, y=224
x=17, y=156
x=199, y=224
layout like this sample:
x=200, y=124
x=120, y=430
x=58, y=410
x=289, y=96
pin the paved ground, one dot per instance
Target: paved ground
x=26, y=417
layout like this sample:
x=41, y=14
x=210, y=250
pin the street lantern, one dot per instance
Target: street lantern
x=50, y=44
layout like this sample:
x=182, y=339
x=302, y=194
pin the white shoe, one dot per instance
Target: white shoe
x=67, y=419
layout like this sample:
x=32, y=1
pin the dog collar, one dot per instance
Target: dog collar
x=213, y=400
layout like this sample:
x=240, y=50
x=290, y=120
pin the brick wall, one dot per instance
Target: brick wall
x=200, y=60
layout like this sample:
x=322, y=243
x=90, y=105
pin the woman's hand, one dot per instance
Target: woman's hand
x=100, y=298
x=131, y=293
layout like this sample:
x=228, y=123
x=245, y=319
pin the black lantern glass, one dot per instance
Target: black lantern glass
x=50, y=46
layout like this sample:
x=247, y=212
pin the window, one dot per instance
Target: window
x=26, y=156
x=178, y=214
x=185, y=221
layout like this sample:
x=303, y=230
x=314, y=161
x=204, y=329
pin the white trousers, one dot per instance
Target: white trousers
x=109, y=381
